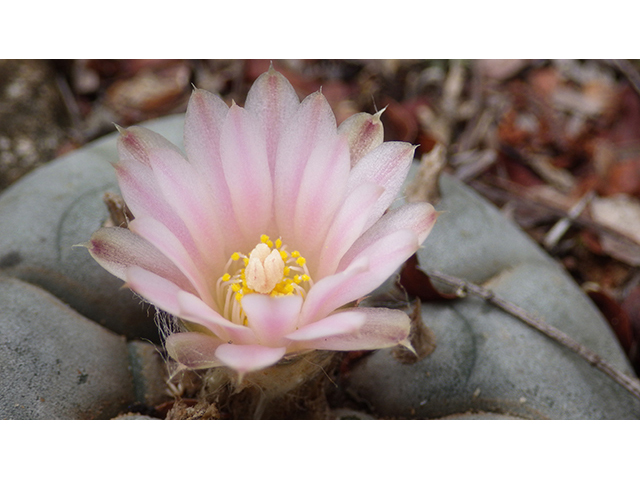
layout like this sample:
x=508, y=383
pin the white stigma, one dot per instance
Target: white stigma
x=265, y=269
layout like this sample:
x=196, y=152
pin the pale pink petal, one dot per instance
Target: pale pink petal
x=117, y=249
x=367, y=272
x=271, y=318
x=244, y=159
x=322, y=191
x=418, y=217
x=247, y=358
x=155, y=289
x=141, y=192
x=312, y=125
x=135, y=143
x=336, y=324
x=195, y=310
x=188, y=197
x=326, y=295
x=167, y=243
x=382, y=328
x=347, y=226
x=206, y=114
x=169, y=297
x=138, y=184
x=273, y=101
x=387, y=166
x=202, y=126
x=142, y=195
x=364, y=132
x=194, y=350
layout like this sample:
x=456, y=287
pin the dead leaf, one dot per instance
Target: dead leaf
x=621, y=213
x=631, y=305
x=421, y=337
x=623, y=177
x=500, y=69
x=418, y=283
x=400, y=123
x=119, y=213
x=424, y=187
x=150, y=92
x=614, y=313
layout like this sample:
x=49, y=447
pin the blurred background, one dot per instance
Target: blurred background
x=554, y=143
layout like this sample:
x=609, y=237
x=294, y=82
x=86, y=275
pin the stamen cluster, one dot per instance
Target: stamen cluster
x=269, y=269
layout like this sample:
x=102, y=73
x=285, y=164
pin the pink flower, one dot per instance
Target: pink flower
x=273, y=222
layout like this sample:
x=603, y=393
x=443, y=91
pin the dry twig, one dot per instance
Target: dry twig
x=561, y=227
x=632, y=385
x=522, y=197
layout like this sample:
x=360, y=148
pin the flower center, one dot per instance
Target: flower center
x=269, y=269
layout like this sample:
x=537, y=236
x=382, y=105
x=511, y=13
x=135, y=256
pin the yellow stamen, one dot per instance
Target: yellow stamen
x=269, y=269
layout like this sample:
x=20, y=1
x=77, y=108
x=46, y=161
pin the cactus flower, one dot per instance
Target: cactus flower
x=262, y=236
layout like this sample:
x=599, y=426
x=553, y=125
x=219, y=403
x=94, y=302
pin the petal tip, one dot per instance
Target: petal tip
x=376, y=116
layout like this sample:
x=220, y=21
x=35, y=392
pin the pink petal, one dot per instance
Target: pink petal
x=326, y=295
x=387, y=166
x=321, y=193
x=364, y=132
x=138, y=184
x=244, y=159
x=367, y=272
x=336, y=324
x=167, y=243
x=193, y=309
x=118, y=249
x=382, y=328
x=187, y=195
x=271, y=318
x=155, y=289
x=135, y=143
x=273, y=101
x=206, y=113
x=202, y=126
x=418, y=217
x=247, y=358
x=141, y=192
x=193, y=350
x=166, y=296
x=312, y=126
x=347, y=226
